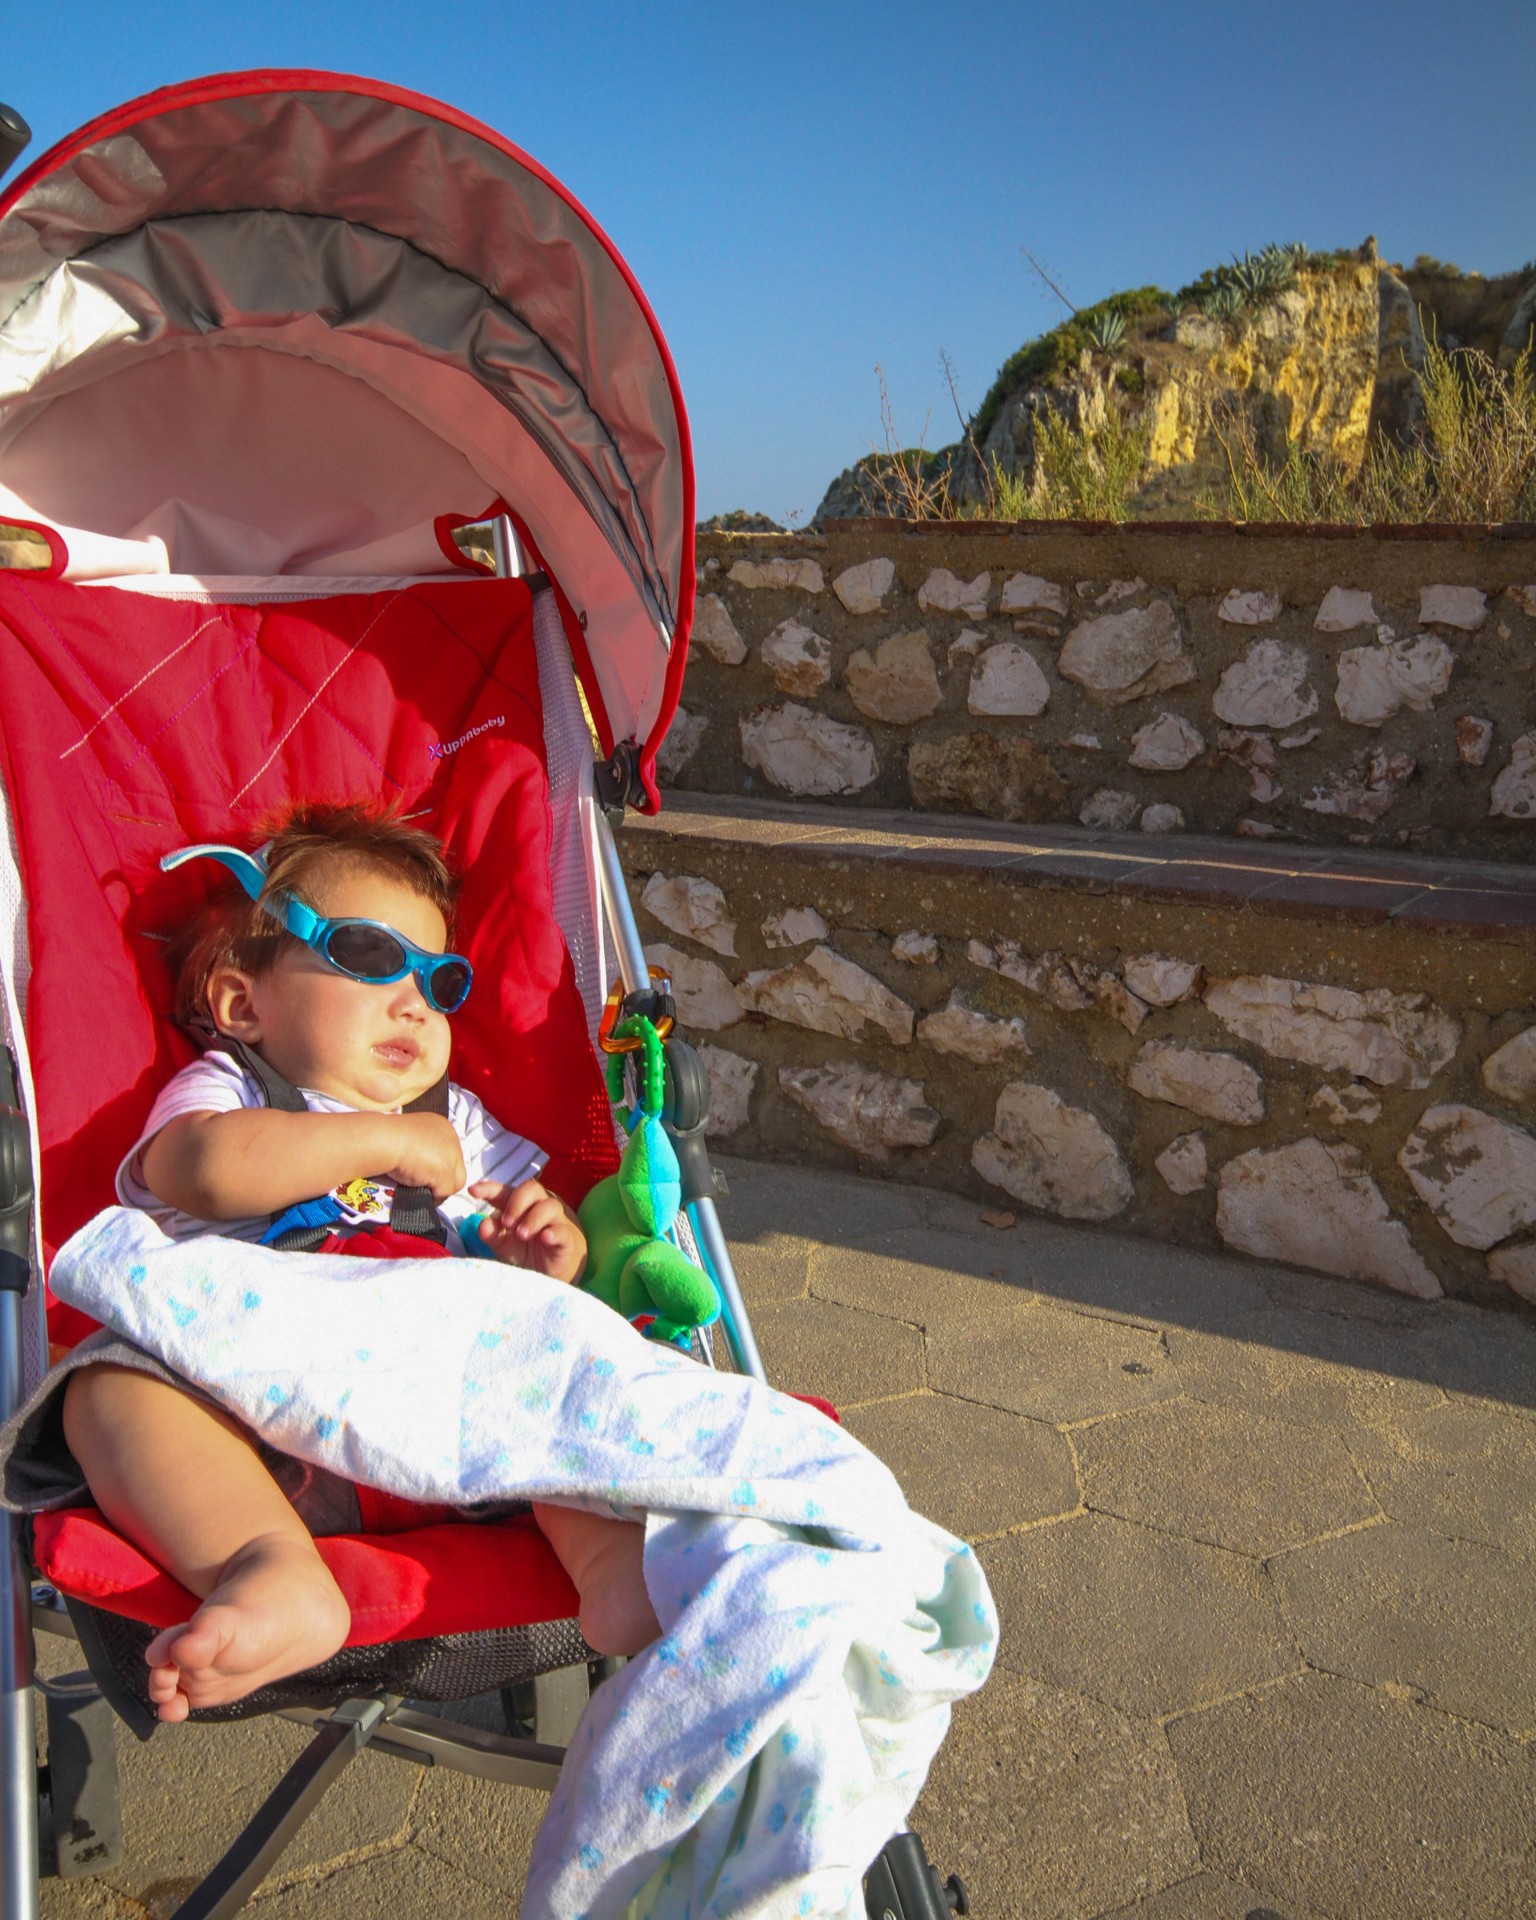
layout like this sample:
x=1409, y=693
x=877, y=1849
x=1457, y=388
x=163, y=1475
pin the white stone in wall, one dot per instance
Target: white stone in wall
x=1084, y=742
x=1475, y=1173
x=1474, y=737
x=917, y=949
x=1267, y=687
x=1255, y=754
x=1118, y=657
x=1348, y=1106
x=941, y=592
x=799, y=660
x=898, y=682
x=1027, y=592
x=1463, y=607
x=1314, y=1205
x=1052, y=976
x=1182, y=1164
x=715, y=631
x=828, y=994
x=967, y=643
x=1162, y=818
x=731, y=1080
x=957, y=1028
x=1159, y=979
x=1116, y=998
x=1524, y=598
x=1511, y=1072
x=871, y=1112
x=1344, y=609
x=705, y=997
x=1516, y=1267
x=806, y=752
x=1109, y=810
x=1052, y=1156
x=804, y=576
x=1514, y=791
x=692, y=907
x=1248, y=609
x=1166, y=744
x=684, y=737
x=1391, y=1039
x=1217, y=1086
x=1364, y=792
x=1007, y=679
x=862, y=589
x=794, y=927
x=1118, y=590
x=1374, y=682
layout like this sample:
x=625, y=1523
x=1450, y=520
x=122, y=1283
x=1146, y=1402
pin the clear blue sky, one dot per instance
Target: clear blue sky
x=807, y=190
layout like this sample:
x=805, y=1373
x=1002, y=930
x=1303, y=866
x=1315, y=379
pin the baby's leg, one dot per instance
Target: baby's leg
x=603, y=1557
x=184, y=1482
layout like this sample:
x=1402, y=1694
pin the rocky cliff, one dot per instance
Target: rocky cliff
x=1323, y=362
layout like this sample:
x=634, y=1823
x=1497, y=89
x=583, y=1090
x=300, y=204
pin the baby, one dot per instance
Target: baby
x=338, y=981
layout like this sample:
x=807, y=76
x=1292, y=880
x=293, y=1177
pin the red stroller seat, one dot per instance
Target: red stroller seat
x=181, y=719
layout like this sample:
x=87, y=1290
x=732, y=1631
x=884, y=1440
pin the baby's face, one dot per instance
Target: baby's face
x=372, y=1046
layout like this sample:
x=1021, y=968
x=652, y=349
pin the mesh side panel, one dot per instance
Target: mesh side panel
x=453, y=1666
x=568, y=755
x=15, y=973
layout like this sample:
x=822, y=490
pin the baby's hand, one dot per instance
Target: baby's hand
x=426, y=1153
x=529, y=1227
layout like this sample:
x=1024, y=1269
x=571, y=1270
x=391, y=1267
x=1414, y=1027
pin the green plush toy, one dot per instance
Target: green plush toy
x=630, y=1266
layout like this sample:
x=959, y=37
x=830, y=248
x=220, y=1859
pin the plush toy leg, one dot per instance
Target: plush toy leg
x=658, y=1279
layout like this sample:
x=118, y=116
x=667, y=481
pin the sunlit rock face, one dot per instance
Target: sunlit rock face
x=1052, y=1156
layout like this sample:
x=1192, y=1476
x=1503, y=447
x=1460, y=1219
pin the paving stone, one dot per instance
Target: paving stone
x=1015, y=1469
x=1484, y=1357
x=1210, y=1896
x=1051, y=1364
x=1103, y=1272
x=484, y=1828
x=1462, y=1470
x=1051, y=1805
x=1365, y=1806
x=409, y=1883
x=1144, y=1621
x=230, y=1769
x=1309, y=1367
x=926, y=1278
x=1228, y=1475
x=771, y=1267
x=811, y=1346
x=1397, y=1606
x=823, y=1206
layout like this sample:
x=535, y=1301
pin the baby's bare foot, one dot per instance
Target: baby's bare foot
x=275, y=1611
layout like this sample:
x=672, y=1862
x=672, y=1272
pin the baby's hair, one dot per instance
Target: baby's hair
x=235, y=931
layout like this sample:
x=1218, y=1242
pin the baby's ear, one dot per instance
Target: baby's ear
x=232, y=1004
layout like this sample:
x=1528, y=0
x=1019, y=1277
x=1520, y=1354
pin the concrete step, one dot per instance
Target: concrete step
x=1301, y=1053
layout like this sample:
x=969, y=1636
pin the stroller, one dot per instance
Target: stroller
x=339, y=451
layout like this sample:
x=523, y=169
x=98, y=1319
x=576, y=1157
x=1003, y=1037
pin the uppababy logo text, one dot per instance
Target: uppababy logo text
x=452, y=746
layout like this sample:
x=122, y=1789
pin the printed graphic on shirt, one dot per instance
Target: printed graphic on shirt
x=364, y=1200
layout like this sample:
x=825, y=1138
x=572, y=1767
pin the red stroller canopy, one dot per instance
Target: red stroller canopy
x=280, y=323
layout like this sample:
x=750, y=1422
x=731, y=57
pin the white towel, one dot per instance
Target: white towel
x=752, y=1761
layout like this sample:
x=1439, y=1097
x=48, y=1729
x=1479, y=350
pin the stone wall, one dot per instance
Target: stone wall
x=1367, y=688
x=1250, y=1058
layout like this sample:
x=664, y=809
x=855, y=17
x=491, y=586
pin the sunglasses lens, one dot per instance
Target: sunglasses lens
x=367, y=953
x=450, y=985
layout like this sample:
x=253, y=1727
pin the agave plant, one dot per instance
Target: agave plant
x=1108, y=330
x=1223, y=302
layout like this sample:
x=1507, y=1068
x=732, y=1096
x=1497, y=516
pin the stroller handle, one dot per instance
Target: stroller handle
x=14, y=136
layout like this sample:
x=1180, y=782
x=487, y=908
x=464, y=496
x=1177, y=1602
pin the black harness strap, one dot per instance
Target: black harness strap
x=414, y=1210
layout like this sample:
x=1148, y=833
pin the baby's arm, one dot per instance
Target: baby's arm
x=232, y=1164
x=528, y=1227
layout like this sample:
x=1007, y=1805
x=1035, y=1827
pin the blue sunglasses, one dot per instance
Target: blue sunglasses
x=362, y=949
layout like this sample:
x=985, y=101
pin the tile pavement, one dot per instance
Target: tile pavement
x=1263, y=1546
